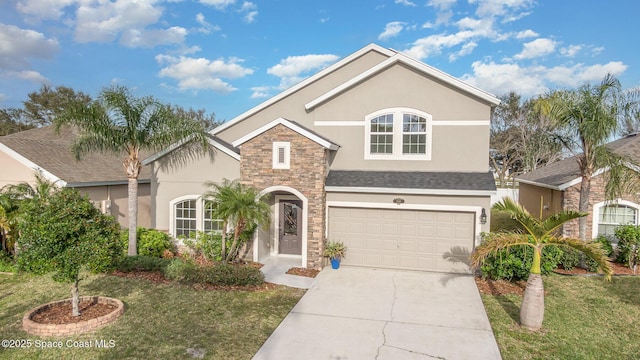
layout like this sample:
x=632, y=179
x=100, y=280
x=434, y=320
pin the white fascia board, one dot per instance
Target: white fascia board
x=372, y=190
x=290, y=125
x=535, y=183
x=30, y=164
x=302, y=84
x=401, y=58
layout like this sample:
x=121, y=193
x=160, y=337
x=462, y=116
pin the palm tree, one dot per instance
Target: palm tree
x=539, y=233
x=122, y=124
x=240, y=206
x=590, y=116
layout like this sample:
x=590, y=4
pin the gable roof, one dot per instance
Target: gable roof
x=309, y=134
x=213, y=140
x=399, y=58
x=411, y=182
x=565, y=173
x=304, y=83
x=42, y=149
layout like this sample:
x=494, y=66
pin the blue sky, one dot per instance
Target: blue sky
x=226, y=56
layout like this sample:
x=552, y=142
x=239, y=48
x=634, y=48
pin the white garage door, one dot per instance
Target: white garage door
x=404, y=239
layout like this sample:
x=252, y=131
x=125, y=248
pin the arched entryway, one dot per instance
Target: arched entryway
x=287, y=233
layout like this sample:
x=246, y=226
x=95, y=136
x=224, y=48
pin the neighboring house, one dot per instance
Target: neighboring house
x=101, y=176
x=554, y=187
x=378, y=151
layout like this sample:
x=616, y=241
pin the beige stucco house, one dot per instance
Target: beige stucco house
x=379, y=151
x=556, y=187
x=100, y=176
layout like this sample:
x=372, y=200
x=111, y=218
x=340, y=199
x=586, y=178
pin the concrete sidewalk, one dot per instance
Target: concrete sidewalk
x=275, y=271
x=356, y=313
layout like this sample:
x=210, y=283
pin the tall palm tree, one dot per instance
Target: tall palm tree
x=590, y=116
x=240, y=206
x=539, y=233
x=122, y=124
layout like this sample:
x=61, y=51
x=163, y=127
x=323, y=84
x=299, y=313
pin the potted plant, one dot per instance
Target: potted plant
x=335, y=251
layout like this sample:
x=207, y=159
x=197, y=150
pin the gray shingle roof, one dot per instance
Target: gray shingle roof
x=412, y=180
x=564, y=171
x=52, y=152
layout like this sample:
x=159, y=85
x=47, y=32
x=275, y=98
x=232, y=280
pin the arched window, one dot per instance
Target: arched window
x=398, y=134
x=609, y=215
x=192, y=213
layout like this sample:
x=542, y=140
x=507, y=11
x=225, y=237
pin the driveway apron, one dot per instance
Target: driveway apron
x=358, y=313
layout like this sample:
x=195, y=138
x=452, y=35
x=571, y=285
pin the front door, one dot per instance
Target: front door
x=290, y=227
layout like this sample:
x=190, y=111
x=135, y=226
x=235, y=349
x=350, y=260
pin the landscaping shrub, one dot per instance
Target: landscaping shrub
x=142, y=263
x=605, y=243
x=628, y=244
x=151, y=242
x=207, y=245
x=572, y=258
x=188, y=272
x=514, y=264
x=7, y=263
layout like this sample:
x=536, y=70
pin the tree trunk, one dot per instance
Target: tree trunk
x=234, y=244
x=532, y=309
x=75, y=299
x=583, y=206
x=133, y=216
x=224, y=241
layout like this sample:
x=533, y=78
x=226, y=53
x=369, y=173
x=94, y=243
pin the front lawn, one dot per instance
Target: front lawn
x=585, y=318
x=161, y=321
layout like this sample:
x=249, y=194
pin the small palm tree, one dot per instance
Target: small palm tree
x=539, y=233
x=240, y=206
x=122, y=124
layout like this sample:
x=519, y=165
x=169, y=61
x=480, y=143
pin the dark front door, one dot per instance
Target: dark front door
x=290, y=227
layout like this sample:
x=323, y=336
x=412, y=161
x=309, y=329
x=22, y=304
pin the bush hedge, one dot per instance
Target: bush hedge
x=514, y=264
x=151, y=242
x=188, y=272
x=142, y=263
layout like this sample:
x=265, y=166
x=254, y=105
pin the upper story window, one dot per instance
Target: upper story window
x=398, y=134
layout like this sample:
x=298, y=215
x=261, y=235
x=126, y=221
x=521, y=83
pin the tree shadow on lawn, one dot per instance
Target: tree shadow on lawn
x=625, y=288
x=507, y=304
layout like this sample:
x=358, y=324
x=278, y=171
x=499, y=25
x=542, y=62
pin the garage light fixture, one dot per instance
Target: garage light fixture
x=398, y=201
x=483, y=216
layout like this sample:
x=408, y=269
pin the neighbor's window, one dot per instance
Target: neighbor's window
x=185, y=217
x=612, y=216
x=398, y=134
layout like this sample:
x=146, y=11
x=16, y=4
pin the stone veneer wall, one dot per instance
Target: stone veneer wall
x=307, y=174
x=571, y=201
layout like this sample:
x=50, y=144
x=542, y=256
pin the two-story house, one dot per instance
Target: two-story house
x=379, y=151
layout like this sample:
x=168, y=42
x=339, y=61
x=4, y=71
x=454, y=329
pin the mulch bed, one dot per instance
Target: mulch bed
x=303, y=272
x=61, y=313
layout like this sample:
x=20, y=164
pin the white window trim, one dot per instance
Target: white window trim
x=199, y=212
x=600, y=205
x=397, y=135
x=277, y=145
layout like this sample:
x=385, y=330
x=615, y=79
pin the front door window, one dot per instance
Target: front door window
x=290, y=213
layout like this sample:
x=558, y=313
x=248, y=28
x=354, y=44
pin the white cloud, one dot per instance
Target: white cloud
x=104, y=21
x=18, y=45
x=526, y=34
x=536, y=48
x=434, y=44
x=260, y=92
x=150, y=38
x=291, y=69
x=464, y=51
x=43, y=9
x=218, y=4
x=502, y=8
x=571, y=50
x=250, y=11
x=201, y=73
x=30, y=75
x=391, y=30
x=535, y=80
x=405, y=2
x=206, y=27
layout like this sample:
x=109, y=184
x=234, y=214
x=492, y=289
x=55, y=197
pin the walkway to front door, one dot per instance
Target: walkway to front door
x=289, y=226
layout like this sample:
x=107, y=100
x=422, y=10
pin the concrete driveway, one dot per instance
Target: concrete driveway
x=357, y=313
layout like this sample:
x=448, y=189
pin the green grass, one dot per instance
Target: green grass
x=160, y=321
x=585, y=318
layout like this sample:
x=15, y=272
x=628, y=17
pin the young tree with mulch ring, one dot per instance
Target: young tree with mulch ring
x=65, y=234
